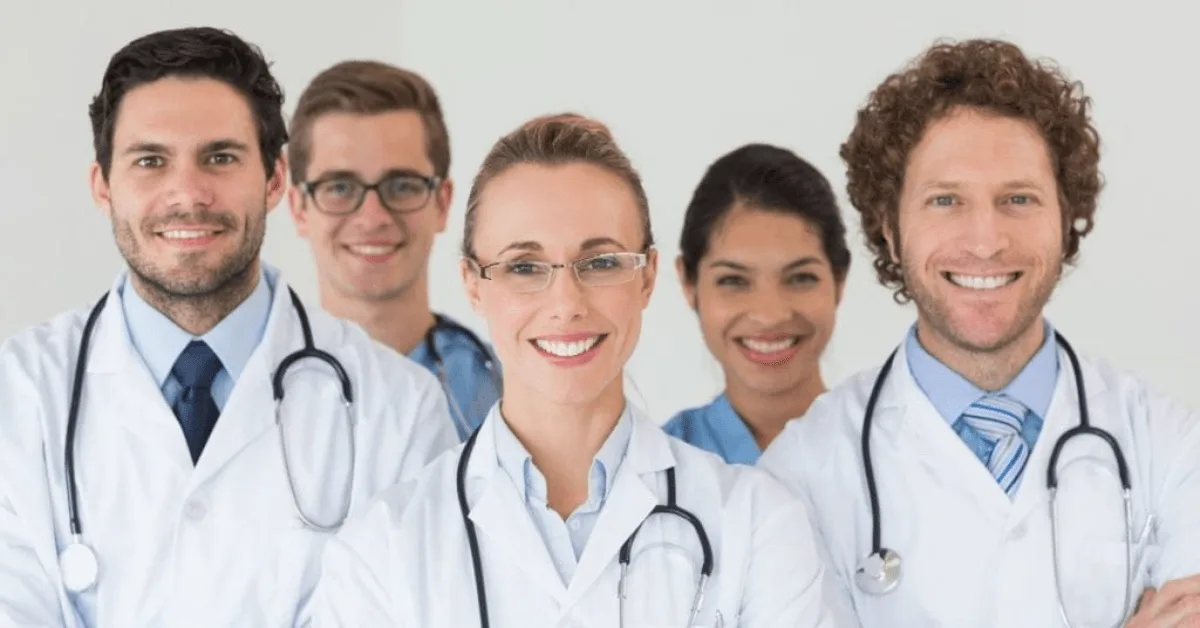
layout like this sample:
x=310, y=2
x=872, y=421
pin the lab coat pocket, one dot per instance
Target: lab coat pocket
x=1094, y=585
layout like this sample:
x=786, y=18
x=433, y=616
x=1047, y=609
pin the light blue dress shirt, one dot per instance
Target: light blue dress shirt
x=716, y=427
x=160, y=341
x=564, y=540
x=473, y=387
x=952, y=393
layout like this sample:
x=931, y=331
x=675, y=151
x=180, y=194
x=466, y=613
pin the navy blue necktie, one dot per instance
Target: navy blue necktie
x=196, y=410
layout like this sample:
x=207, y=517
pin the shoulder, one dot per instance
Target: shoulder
x=735, y=487
x=1169, y=421
x=380, y=366
x=411, y=501
x=829, y=431
x=46, y=345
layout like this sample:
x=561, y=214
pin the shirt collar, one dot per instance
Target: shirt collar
x=951, y=393
x=731, y=430
x=517, y=462
x=160, y=341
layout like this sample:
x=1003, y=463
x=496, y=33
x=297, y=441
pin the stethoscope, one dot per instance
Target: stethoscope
x=624, y=555
x=879, y=572
x=441, y=322
x=77, y=561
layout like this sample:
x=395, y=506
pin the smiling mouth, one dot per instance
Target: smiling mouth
x=769, y=347
x=188, y=234
x=982, y=282
x=568, y=349
x=372, y=250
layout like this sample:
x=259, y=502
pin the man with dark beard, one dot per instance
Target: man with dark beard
x=933, y=478
x=165, y=483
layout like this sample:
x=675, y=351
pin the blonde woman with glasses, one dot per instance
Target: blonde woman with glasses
x=569, y=506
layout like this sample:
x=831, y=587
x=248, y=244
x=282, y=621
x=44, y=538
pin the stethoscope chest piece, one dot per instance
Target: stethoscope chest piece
x=79, y=567
x=879, y=572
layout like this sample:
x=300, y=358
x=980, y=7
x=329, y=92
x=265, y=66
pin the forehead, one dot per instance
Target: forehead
x=368, y=143
x=558, y=206
x=969, y=146
x=184, y=112
x=769, y=236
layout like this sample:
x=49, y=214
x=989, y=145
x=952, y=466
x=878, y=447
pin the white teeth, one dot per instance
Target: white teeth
x=185, y=234
x=977, y=282
x=774, y=346
x=372, y=249
x=566, y=349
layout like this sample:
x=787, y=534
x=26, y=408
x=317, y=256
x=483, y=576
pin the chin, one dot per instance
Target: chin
x=986, y=335
x=581, y=387
x=774, y=384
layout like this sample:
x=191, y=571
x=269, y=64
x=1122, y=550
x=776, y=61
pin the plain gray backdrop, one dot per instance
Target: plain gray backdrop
x=679, y=83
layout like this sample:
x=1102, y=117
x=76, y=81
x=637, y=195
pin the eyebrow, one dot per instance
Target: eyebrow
x=810, y=260
x=215, y=146
x=1014, y=184
x=351, y=174
x=588, y=244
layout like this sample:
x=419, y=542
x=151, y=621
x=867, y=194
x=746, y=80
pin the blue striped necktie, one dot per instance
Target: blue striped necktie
x=992, y=428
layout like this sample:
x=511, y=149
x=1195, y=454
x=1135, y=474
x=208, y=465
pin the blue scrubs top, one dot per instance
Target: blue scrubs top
x=716, y=427
x=473, y=387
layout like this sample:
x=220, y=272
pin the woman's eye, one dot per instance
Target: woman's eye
x=732, y=280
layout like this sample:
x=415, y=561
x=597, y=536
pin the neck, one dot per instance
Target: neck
x=990, y=370
x=562, y=438
x=766, y=414
x=399, y=321
x=198, y=314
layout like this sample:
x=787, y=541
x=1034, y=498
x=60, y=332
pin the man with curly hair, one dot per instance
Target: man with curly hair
x=975, y=172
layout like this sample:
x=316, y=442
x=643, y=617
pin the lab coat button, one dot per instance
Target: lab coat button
x=195, y=510
x=1017, y=533
x=575, y=524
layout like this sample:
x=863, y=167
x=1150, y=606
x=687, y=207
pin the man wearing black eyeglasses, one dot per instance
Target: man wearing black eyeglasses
x=369, y=158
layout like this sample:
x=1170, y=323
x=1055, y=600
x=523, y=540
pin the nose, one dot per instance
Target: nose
x=190, y=186
x=372, y=213
x=769, y=307
x=568, y=299
x=986, y=231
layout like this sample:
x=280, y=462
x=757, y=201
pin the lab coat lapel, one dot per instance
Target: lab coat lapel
x=119, y=388
x=1063, y=414
x=940, y=449
x=500, y=515
x=631, y=500
x=249, y=411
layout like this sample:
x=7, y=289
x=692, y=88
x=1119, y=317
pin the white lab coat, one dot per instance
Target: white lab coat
x=218, y=544
x=970, y=555
x=406, y=562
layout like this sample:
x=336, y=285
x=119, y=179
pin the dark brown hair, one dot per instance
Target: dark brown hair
x=200, y=52
x=367, y=87
x=767, y=178
x=551, y=140
x=990, y=75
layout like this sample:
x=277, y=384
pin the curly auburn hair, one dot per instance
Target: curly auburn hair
x=992, y=75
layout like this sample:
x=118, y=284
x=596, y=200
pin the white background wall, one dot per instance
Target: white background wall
x=679, y=83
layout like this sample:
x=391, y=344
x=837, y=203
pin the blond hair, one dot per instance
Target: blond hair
x=555, y=139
